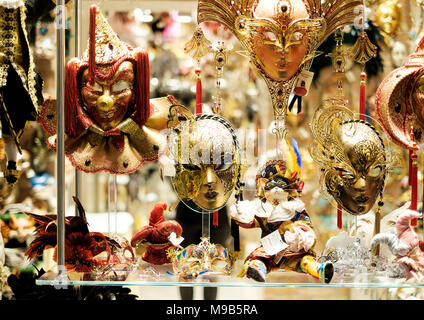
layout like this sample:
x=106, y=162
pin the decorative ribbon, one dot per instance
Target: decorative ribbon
x=299, y=92
x=117, y=138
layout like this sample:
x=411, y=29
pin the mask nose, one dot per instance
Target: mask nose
x=105, y=101
x=360, y=184
x=211, y=178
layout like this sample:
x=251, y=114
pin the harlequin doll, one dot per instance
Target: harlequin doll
x=20, y=83
x=110, y=122
x=157, y=237
x=279, y=212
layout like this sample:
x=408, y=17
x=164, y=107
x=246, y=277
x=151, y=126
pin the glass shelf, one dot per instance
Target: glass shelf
x=276, y=280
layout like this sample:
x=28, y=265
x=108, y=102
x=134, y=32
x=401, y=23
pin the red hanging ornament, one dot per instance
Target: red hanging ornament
x=362, y=96
x=414, y=185
x=199, y=101
x=215, y=219
x=339, y=217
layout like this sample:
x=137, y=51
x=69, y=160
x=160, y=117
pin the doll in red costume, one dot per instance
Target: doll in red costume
x=158, y=236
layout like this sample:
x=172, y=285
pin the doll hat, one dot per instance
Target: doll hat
x=394, y=109
x=104, y=55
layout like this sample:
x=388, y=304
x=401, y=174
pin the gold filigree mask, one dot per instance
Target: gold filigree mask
x=352, y=155
x=207, y=162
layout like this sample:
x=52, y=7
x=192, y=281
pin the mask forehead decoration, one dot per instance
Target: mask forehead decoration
x=353, y=155
x=204, y=151
x=280, y=37
x=111, y=124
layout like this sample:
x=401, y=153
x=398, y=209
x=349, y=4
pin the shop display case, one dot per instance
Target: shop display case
x=110, y=199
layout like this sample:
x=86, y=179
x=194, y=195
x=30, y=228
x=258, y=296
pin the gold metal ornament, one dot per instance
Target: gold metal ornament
x=198, y=46
x=363, y=50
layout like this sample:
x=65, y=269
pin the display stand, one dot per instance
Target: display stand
x=112, y=201
x=60, y=151
x=224, y=281
x=206, y=224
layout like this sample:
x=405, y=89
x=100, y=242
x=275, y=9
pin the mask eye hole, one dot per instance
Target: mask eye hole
x=297, y=36
x=270, y=36
x=375, y=171
x=121, y=86
x=222, y=166
x=191, y=167
x=96, y=88
x=346, y=175
x=421, y=88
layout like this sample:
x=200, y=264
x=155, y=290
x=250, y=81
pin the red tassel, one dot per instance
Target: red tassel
x=92, y=45
x=410, y=167
x=339, y=217
x=199, y=102
x=142, y=106
x=414, y=186
x=215, y=219
x=362, y=98
x=73, y=127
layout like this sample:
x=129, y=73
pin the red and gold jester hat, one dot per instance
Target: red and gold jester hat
x=399, y=105
x=111, y=123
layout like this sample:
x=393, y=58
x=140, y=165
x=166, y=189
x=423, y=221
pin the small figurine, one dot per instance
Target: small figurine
x=405, y=245
x=158, y=236
x=288, y=237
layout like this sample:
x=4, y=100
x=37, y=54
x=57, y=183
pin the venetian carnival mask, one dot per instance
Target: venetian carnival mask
x=195, y=260
x=387, y=16
x=352, y=155
x=111, y=124
x=206, y=156
x=280, y=37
